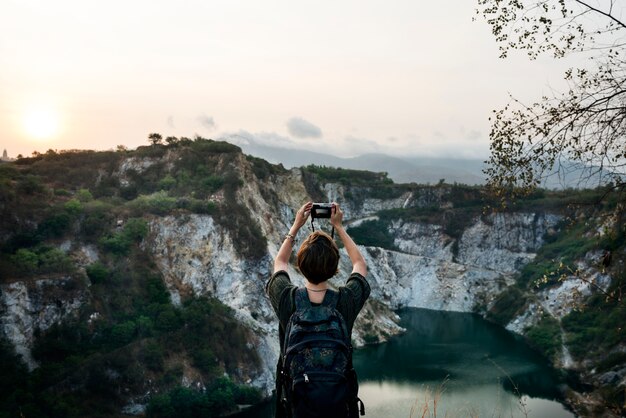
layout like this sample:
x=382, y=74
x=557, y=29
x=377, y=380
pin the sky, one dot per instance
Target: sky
x=340, y=77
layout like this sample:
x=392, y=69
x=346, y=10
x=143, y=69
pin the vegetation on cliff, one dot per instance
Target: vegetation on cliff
x=138, y=342
x=103, y=200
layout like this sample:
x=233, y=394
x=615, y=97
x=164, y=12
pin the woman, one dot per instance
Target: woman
x=317, y=259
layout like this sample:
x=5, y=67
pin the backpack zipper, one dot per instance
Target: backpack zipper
x=306, y=378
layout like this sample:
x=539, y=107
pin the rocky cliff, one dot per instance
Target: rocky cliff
x=197, y=254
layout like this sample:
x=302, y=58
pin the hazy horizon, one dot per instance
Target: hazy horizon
x=347, y=78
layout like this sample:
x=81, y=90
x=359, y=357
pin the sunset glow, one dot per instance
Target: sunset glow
x=41, y=123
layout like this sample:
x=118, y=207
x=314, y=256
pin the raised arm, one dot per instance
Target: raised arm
x=358, y=262
x=281, y=262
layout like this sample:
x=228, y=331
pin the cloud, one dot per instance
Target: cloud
x=301, y=128
x=170, y=122
x=272, y=139
x=207, y=122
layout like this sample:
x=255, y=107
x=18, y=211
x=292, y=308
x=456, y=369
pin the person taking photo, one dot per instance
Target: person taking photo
x=315, y=377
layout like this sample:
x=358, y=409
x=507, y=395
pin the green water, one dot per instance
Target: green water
x=469, y=367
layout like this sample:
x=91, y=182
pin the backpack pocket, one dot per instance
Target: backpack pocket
x=320, y=394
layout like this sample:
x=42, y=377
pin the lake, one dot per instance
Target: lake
x=451, y=364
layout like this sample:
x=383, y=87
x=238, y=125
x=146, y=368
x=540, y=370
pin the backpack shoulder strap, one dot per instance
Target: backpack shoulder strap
x=331, y=298
x=302, y=299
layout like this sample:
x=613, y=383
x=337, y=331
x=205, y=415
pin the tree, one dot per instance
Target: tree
x=580, y=131
x=171, y=140
x=155, y=138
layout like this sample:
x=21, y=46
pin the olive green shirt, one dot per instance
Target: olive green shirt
x=281, y=293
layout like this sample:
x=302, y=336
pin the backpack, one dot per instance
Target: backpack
x=316, y=371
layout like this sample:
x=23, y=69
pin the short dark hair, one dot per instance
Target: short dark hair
x=318, y=257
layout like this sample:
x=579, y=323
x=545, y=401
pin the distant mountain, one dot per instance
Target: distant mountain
x=415, y=169
x=421, y=170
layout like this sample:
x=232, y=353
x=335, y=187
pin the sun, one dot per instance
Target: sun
x=41, y=123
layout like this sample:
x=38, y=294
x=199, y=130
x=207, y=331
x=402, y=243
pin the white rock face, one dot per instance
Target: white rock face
x=406, y=280
x=504, y=242
x=197, y=257
x=28, y=307
x=426, y=240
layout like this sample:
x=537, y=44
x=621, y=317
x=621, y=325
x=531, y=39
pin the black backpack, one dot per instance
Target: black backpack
x=316, y=371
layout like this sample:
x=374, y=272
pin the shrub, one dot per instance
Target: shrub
x=202, y=207
x=546, y=336
x=97, y=220
x=122, y=334
x=349, y=177
x=373, y=233
x=117, y=244
x=62, y=192
x=53, y=260
x=152, y=355
x=599, y=325
x=160, y=406
x=208, y=146
x=84, y=195
x=136, y=229
x=262, y=169
x=145, y=326
x=26, y=261
x=120, y=242
x=97, y=272
x=158, y=203
x=168, y=320
x=167, y=182
x=205, y=360
x=30, y=185
x=55, y=225
x=73, y=207
x=507, y=305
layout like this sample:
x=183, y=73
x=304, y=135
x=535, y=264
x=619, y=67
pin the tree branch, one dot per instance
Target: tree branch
x=613, y=18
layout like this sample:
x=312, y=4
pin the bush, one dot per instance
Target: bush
x=26, y=261
x=208, y=146
x=167, y=182
x=97, y=272
x=120, y=242
x=202, y=207
x=205, y=360
x=84, y=195
x=122, y=334
x=598, y=326
x=117, y=244
x=73, y=207
x=136, y=229
x=546, y=336
x=373, y=233
x=220, y=397
x=41, y=260
x=97, y=220
x=152, y=355
x=507, y=306
x=168, y=320
x=62, y=192
x=349, y=177
x=158, y=203
x=53, y=260
x=55, y=225
x=30, y=185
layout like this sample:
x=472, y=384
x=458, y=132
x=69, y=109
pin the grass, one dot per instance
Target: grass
x=433, y=401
